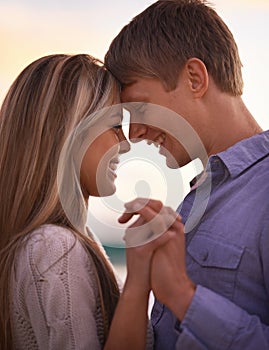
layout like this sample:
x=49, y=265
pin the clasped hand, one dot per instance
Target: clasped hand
x=155, y=254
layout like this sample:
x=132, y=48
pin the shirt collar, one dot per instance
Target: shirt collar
x=245, y=153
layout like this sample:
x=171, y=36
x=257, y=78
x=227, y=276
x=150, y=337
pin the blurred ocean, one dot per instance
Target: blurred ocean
x=117, y=257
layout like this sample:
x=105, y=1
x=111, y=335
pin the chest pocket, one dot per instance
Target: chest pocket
x=214, y=264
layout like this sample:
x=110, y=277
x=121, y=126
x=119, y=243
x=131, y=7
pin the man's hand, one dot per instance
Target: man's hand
x=169, y=280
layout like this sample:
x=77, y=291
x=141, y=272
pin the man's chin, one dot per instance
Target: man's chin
x=173, y=166
x=172, y=163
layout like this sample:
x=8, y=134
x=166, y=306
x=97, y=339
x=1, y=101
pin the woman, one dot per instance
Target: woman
x=60, y=143
x=43, y=106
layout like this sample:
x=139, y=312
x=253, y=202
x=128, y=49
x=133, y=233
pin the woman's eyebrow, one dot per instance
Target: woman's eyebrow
x=117, y=116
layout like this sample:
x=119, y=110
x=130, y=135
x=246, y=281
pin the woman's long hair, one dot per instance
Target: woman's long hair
x=42, y=108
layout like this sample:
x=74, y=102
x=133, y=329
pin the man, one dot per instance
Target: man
x=180, y=55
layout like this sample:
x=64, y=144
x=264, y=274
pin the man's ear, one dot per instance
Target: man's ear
x=197, y=76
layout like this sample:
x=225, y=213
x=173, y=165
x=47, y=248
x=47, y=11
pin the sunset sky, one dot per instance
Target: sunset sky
x=30, y=29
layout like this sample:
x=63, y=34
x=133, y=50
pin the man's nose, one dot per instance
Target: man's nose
x=124, y=144
x=137, y=132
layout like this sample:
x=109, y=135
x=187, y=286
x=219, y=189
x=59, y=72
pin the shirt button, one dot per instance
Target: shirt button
x=205, y=256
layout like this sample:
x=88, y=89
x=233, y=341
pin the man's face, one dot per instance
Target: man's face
x=159, y=118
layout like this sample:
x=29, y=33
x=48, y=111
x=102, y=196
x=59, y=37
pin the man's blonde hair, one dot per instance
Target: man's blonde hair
x=158, y=42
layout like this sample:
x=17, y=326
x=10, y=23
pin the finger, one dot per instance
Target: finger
x=134, y=207
x=139, y=203
x=162, y=239
x=154, y=223
x=178, y=226
x=171, y=216
x=149, y=225
x=125, y=217
x=149, y=243
x=147, y=213
x=176, y=218
x=138, y=223
x=173, y=212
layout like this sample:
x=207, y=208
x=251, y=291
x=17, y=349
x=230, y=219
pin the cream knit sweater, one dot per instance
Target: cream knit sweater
x=56, y=305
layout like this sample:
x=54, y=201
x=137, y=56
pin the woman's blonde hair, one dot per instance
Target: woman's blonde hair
x=43, y=106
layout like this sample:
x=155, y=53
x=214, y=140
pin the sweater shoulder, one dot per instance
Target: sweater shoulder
x=53, y=249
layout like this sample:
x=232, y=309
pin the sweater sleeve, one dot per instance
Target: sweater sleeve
x=56, y=293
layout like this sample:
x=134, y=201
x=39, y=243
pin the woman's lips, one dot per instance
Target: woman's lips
x=113, y=167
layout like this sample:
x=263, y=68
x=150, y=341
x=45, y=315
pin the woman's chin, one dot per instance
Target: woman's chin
x=107, y=190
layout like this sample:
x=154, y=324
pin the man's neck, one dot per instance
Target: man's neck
x=232, y=124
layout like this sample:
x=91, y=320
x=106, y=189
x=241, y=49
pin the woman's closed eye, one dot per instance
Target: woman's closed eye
x=117, y=128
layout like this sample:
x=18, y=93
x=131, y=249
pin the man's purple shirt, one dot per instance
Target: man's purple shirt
x=227, y=254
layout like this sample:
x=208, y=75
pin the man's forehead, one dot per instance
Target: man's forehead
x=134, y=92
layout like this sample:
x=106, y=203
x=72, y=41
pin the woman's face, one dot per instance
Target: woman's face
x=98, y=168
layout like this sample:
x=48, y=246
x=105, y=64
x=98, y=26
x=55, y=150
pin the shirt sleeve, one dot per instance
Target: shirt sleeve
x=61, y=294
x=214, y=322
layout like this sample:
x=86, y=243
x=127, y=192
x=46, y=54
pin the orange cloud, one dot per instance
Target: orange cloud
x=26, y=35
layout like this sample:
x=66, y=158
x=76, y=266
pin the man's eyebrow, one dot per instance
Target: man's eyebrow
x=131, y=82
